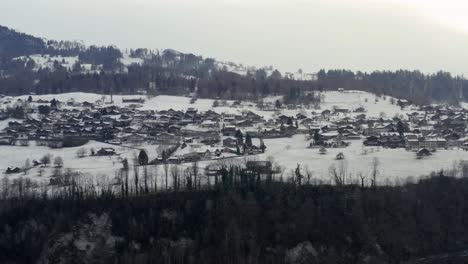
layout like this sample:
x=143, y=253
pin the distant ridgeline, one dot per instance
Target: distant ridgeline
x=33, y=65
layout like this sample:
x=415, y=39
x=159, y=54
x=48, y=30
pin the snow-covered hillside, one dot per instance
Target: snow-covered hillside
x=395, y=164
x=127, y=60
x=351, y=100
x=372, y=104
x=287, y=152
x=47, y=62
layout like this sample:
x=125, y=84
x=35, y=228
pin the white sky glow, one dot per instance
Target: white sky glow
x=428, y=35
x=450, y=13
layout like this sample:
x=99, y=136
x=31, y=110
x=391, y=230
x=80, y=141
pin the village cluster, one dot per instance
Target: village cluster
x=189, y=135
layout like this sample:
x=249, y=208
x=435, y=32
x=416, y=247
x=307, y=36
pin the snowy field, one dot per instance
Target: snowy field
x=95, y=165
x=47, y=61
x=395, y=164
x=347, y=99
x=355, y=99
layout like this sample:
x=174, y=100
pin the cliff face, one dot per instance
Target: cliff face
x=90, y=240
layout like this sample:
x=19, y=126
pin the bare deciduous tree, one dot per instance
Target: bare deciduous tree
x=375, y=170
x=195, y=170
x=58, y=162
x=81, y=152
x=175, y=177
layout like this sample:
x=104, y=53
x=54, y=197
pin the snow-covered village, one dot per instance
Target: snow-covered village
x=234, y=132
x=356, y=134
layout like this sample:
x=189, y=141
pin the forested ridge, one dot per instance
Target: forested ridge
x=256, y=222
x=172, y=72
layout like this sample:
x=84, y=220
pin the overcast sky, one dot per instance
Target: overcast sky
x=289, y=34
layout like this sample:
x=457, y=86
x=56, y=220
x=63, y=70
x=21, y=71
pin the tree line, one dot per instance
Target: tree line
x=172, y=72
x=243, y=216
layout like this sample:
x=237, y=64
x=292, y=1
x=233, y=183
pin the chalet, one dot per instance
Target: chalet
x=229, y=119
x=42, y=101
x=229, y=131
x=22, y=140
x=55, y=142
x=452, y=136
x=300, y=116
x=360, y=110
x=12, y=170
x=87, y=104
x=372, y=141
x=376, y=130
x=211, y=115
x=427, y=108
x=36, y=163
x=254, y=150
x=186, y=120
x=210, y=138
x=244, y=123
x=392, y=140
x=340, y=156
x=341, y=110
x=306, y=122
x=190, y=156
x=230, y=142
x=167, y=138
x=455, y=121
x=402, y=103
x=191, y=110
x=351, y=135
x=174, y=129
x=209, y=124
x=361, y=117
x=105, y=152
x=6, y=139
x=134, y=138
x=289, y=130
x=423, y=152
x=329, y=135
x=283, y=119
x=272, y=133
x=326, y=113
x=174, y=119
x=133, y=100
x=253, y=117
x=173, y=160
x=164, y=118
x=429, y=143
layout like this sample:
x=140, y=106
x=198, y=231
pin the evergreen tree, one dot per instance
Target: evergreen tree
x=316, y=137
x=53, y=104
x=400, y=128
x=248, y=140
x=143, y=158
x=277, y=104
x=298, y=174
x=262, y=146
x=239, y=136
